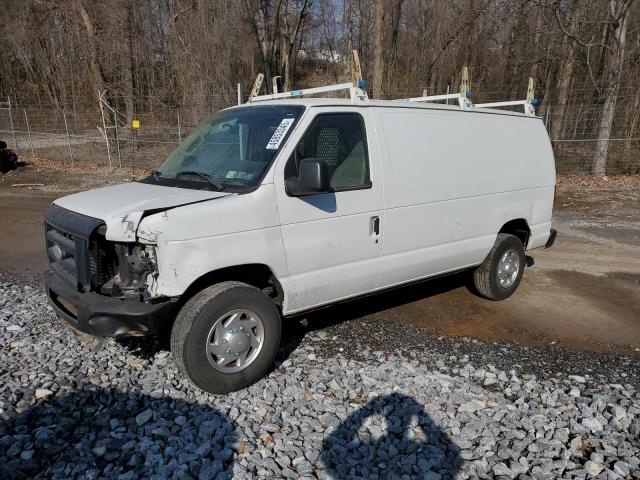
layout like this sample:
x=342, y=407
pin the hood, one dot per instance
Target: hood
x=122, y=206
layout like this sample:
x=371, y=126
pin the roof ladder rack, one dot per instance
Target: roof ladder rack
x=356, y=93
x=463, y=97
x=356, y=87
x=529, y=104
x=463, y=101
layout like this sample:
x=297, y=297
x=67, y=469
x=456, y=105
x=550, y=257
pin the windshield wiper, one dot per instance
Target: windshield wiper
x=217, y=185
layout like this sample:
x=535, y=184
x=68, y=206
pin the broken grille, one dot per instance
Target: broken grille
x=67, y=240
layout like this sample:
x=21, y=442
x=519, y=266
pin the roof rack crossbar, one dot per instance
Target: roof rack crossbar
x=529, y=108
x=528, y=104
x=502, y=104
x=434, y=98
x=354, y=92
x=463, y=101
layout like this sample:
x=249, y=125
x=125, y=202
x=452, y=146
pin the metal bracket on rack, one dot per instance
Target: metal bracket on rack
x=256, y=87
x=529, y=104
x=463, y=98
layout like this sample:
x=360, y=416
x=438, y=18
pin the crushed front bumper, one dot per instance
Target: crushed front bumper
x=104, y=316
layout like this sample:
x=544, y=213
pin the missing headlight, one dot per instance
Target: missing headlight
x=135, y=270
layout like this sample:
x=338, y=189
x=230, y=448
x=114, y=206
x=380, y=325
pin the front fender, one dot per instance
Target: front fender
x=200, y=238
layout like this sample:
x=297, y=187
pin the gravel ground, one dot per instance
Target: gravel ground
x=359, y=399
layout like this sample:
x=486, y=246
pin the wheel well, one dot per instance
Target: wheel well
x=257, y=275
x=519, y=228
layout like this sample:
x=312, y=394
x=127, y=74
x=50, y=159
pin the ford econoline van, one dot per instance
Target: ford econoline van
x=274, y=208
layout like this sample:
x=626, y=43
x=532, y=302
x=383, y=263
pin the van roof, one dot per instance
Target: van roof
x=346, y=102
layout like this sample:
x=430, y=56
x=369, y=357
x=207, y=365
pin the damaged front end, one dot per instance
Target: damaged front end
x=99, y=286
x=123, y=270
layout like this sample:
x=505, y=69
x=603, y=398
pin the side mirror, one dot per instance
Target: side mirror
x=313, y=177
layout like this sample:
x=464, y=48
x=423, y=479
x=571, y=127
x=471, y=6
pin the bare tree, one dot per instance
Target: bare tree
x=378, y=52
x=154, y=57
x=291, y=39
x=607, y=79
x=617, y=34
x=565, y=71
x=94, y=61
x=278, y=28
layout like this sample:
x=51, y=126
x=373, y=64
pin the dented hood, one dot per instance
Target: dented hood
x=122, y=206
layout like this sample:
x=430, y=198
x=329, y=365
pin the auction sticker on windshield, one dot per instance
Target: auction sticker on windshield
x=279, y=134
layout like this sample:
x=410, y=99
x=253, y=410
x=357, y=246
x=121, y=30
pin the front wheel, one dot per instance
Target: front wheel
x=226, y=337
x=499, y=275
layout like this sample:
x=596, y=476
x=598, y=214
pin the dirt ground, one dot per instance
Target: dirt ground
x=583, y=293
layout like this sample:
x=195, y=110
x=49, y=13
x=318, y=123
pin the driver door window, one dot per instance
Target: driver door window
x=339, y=140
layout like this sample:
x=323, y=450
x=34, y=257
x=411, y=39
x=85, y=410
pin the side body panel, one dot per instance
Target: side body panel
x=452, y=179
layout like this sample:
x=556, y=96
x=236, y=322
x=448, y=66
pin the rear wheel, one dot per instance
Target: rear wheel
x=226, y=337
x=499, y=275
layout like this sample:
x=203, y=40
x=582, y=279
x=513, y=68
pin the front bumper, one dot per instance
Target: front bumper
x=104, y=316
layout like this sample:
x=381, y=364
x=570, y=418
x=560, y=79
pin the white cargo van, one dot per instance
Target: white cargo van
x=273, y=208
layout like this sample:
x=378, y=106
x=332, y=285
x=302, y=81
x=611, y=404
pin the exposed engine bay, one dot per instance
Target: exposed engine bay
x=80, y=254
x=125, y=270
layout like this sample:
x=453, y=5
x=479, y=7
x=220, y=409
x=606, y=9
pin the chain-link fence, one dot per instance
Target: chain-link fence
x=575, y=130
x=85, y=138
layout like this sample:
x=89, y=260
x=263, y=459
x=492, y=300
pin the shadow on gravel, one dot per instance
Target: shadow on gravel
x=107, y=433
x=389, y=437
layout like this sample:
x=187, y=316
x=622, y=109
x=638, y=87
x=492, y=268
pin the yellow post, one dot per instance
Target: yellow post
x=135, y=125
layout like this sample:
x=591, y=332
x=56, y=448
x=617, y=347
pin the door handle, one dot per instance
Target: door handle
x=375, y=225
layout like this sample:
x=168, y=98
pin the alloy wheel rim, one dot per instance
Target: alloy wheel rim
x=235, y=340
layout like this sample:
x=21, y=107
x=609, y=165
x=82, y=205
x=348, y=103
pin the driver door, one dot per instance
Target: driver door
x=333, y=240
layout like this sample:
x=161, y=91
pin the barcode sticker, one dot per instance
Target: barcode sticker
x=279, y=134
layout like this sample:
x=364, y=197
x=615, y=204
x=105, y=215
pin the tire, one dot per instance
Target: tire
x=195, y=328
x=493, y=283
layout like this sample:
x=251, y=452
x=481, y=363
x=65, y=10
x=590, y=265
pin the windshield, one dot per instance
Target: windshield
x=231, y=148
